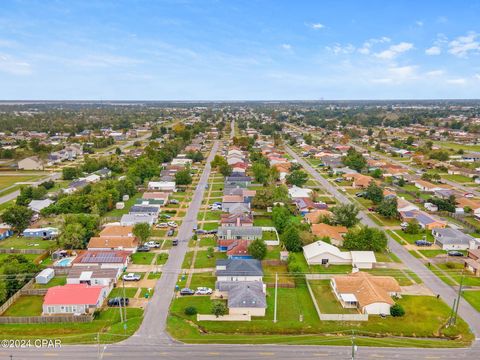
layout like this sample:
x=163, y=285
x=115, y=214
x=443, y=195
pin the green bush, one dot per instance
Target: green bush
x=190, y=310
x=397, y=310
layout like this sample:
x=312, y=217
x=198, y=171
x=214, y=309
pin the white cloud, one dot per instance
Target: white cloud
x=341, y=49
x=286, y=46
x=367, y=45
x=477, y=76
x=402, y=72
x=419, y=23
x=434, y=50
x=13, y=66
x=435, y=73
x=462, y=46
x=317, y=26
x=394, y=50
x=458, y=81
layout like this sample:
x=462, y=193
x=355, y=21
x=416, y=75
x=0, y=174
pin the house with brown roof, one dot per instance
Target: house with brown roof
x=315, y=216
x=472, y=262
x=369, y=294
x=117, y=231
x=334, y=233
x=128, y=243
x=360, y=180
x=236, y=220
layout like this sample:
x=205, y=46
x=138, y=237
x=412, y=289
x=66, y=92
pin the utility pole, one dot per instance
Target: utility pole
x=458, y=298
x=98, y=345
x=450, y=320
x=276, y=290
x=354, y=347
x=124, y=300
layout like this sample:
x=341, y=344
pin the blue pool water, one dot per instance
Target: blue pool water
x=64, y=262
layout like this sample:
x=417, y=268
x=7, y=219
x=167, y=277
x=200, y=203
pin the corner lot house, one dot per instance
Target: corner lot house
x=244, y=297
x=73, y=299
x=453, y=239
x=322, y=253
x=369, y=294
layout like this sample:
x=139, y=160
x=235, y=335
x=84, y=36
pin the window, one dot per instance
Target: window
x=324, y=261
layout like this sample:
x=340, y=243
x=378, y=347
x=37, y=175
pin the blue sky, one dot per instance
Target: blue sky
x=239, y=50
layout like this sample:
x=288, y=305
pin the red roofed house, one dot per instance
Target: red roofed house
x=238, y=249
x=73, y=299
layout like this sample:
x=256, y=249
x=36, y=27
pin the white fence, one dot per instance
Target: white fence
x=271, y=242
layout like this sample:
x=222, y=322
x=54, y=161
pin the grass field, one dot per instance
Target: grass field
x=25, y=306
x=16, y=242
x=473, y=297
x=326, y=300
x=6, y=181
x=56, y=281
x=118, y=292
x=202, y=261
x=142, y=258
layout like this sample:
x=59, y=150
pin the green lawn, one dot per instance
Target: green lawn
x=16, y=242
x=6, y=181
x=154, y=275
x=432, y=253
x=118, y=292
x=212, y=215
x=262, y=220
x=210, y=226
x=269, y=235
x=202, y=261
x=142, y=258
x=56, y=281
x=455, y=271
x=128, y=204
x=411, y=238
x=146, y=291
x=458, y=178
x=326, y=300
x=25, y=306
x=187, y=260
x=457, y=146
x=208, y=241
x=273, y=253
x=203, y=280
x=473, y=297
x=161, y=258
x=106, y=323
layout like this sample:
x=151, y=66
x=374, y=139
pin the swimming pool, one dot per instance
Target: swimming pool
x=64, y=262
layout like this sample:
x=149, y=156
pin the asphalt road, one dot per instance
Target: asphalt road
x=447, y=293
x=13, y=195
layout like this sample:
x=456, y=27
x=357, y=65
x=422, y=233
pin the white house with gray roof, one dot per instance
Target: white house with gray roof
x=239, y=233
x=244, y=297
x=454, y=239
x=239, y=270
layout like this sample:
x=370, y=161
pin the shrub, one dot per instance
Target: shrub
x=397, y=310
x=190, y=310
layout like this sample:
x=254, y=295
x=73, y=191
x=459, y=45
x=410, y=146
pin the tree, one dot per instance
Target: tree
x=118, y=151
x=291, y=238
x=219, y=308
x=280, y=217
x=142, y=231
x=377, y=173
x=397, y=310
x=345, y=214
x=297, y=177
x=70, y=173
x=18, y=217
x=365, y=238
x=72, y=236
x=225, y=169
x=413, y=227
x=388, y=207
x=17, y=271
x=190, y=310
x=445, y=204
x=183, y=177
x=374, y=192
x=260, y=172
x=401, y=182
x=257, y=249
x=354, y=160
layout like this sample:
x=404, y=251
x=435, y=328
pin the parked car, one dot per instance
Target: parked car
x=371, y=209
x=454, y=253
x=404, y=225
x=200, y=232
x=172, y=224
x=170, y=232
x=360, y=194
x=206, y=187
x=187, y=291
x=423, y=243
x=203, y=291
x=468, y=195
x=131, y=277
x=152, y=244
x=174, y=201
x=143, y=248
x=175, y=242
x=211, y=231
x=161, y=225
x=338, y=180
x=117, y=301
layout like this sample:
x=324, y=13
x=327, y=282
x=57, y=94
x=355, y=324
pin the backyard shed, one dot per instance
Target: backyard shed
x=45, y=276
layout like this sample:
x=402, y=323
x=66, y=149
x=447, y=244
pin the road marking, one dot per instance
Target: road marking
x=266, y=353
x=320, y=354
x=213, y=353
x=377, y=356
x=432, y=357
x=50, y=354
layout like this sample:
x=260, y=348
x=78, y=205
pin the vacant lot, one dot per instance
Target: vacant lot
x=16, y=242
x=6, y=181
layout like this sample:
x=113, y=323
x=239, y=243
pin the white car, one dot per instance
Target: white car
x=131, y=277
x=172, y=224
x=152, y=244
x=161, y=225
x=203, y=291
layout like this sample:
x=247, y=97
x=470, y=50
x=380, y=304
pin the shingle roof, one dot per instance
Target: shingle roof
x=239, y=267
x=244, y=294
x=239, y=231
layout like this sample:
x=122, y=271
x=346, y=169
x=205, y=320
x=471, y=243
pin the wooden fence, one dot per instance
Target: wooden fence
x=15, y=296
x=281, y=285
x=45, y=319
x=22, y=251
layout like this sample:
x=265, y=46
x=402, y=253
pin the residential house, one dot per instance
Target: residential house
x=239, y=220
x=239, y=208
x=404, y=205
x=359, y=180
x=181, y=161
x=153, y=210
x=237, y=249
x=73, y=299
x=425, y=220
x=244, y=297
x=161, y=197
x=474, y=204
x=93, y=275
x=428, y=186
x=296, y=192
x=322, y=253
x=239, y=270
x=369, y=294
x=239, y=232
x=315, y=216
x=5, y=232
x=162, y=186
x=306, y=205
x=31, y=163
x=230, y=200
x=38, y=205
x=92, y=178
x=239, y=180
x=334, y=233
x=137, y=218
x=112, y=231
x=45, y=232
x=472, y=262
x=454, y=239
x=106, y=259
x=128, y=243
